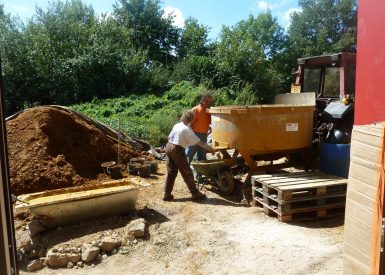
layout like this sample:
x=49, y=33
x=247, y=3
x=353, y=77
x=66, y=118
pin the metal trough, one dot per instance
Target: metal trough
x=70, y=205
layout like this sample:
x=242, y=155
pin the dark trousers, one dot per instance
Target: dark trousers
x=177, y=161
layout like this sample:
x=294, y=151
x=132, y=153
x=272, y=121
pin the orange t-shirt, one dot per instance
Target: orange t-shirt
x=201, y=121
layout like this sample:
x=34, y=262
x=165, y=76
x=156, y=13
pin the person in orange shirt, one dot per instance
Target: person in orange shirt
x=200, y=126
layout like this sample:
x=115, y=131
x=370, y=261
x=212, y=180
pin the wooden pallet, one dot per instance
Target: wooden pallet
x=305, y=214
x=292, y=186
x=299, y=196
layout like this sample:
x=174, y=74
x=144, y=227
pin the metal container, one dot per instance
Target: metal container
x=263, y=129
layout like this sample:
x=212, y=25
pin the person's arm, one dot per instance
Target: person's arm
x=206, y=147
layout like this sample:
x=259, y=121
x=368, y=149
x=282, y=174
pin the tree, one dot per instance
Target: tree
x=194, y=39
x=266, y=30
x=323, y=26
x=244, y=55
x=149, y=28
x=9, y=39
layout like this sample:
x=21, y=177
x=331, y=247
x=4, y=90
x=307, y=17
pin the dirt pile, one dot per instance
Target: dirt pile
x=50, y=148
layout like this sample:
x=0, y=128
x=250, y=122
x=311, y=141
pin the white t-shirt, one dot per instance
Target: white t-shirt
x=182, y=135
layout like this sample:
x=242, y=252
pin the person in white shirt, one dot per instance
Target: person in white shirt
x=180, y=137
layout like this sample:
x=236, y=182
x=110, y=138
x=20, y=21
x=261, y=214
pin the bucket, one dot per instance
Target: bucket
x=145, y=170
x=154, y=166
x=133, y=167
x=107, y=164
x=114, y=172
x=335, y=159
x=138, y=160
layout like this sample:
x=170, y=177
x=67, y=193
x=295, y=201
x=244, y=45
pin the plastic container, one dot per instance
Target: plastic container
x=335, y=159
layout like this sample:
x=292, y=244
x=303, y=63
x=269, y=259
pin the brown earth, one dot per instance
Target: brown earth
x=51, y=148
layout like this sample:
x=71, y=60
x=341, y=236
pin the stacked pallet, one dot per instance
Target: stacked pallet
x=362, y=199
x=300, y=196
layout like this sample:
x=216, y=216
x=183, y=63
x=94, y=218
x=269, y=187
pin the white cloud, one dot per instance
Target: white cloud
x=285, y=16
x=177, y=15
x=262, y=5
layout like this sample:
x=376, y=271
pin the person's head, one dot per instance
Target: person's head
x=206, y=99
x=187, y=117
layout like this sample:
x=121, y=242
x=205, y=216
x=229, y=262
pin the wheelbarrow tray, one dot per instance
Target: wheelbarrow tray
x=210, y=168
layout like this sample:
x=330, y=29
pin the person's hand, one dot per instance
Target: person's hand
x=209, y=148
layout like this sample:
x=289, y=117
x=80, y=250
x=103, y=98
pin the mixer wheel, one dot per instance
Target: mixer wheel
x=225, y=182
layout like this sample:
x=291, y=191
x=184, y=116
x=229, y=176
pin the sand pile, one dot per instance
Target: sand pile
x=50, y=148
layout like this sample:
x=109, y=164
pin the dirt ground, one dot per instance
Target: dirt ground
x=217, y=235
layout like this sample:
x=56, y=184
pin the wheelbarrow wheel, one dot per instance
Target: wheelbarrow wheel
x=225, y=182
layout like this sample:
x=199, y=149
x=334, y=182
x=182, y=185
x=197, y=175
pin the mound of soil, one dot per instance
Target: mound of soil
x=50, y=148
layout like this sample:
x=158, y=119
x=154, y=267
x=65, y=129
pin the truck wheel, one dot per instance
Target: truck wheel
x=225, y=182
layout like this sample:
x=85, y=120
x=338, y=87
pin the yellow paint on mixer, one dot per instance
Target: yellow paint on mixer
x=264, y=129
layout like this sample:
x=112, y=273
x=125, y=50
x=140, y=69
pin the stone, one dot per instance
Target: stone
x=35, y=265
x=41, y=252
x=27, y=246
x=108, y=244
x=60, y=260
x=70, y=265
x=80, y=264
x=33, y=253
x=99, y=258
x=35, y=227
x=89, y=252
x=136, y=228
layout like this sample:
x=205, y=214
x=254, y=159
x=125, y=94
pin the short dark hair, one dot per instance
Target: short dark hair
x=206, y=94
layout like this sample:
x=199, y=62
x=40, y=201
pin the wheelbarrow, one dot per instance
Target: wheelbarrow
x=219, y=171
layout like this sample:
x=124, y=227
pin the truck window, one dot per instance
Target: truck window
x=332, y=82
x=350, y=80
x=311, y=80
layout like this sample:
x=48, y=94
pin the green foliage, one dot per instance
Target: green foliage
x=245, y=57
x=323, y=26
x=193, y=41
x=196, y=69
x=136, y=66
x=148, y=28
x=149, y=117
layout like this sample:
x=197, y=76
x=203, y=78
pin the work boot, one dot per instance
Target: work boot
x=167, y=197
x=198, y=196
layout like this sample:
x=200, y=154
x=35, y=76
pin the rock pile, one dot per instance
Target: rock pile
x=85, y=254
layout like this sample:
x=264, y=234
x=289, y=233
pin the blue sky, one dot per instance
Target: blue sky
x=212, y=13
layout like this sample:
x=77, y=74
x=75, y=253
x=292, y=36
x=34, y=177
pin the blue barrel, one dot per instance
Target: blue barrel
x=335, y=159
